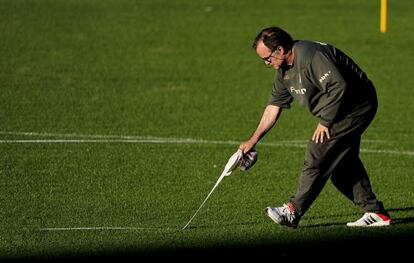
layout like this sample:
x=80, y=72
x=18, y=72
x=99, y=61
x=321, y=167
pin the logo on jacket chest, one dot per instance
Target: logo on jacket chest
x=295, y=80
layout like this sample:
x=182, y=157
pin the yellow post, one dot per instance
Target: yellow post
x=383, y=16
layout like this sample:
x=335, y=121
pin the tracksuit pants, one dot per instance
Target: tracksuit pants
x=338, y=159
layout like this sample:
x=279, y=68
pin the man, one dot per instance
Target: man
x=336, y=91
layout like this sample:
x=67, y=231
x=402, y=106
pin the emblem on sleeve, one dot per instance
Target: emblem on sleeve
x=324, y=76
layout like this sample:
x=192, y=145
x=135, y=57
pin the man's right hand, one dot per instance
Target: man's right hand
x=247, y=146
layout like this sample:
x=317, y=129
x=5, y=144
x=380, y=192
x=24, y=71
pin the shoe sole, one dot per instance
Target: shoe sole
x=376, y=224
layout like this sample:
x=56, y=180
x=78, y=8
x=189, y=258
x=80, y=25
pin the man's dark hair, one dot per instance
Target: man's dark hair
x=273, y=37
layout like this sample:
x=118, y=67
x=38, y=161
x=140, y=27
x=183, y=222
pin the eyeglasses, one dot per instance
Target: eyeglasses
x=268, y=58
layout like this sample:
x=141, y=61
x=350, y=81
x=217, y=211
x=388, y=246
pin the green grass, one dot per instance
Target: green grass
x=183, y=69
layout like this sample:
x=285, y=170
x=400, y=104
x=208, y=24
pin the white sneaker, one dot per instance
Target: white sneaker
x=371, y=219
x=285, y=215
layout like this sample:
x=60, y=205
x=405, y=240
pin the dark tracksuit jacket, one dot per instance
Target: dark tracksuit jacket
x=334, y=89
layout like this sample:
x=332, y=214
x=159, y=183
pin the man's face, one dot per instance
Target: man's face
x=273, y=59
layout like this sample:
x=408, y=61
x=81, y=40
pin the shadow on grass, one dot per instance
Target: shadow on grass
x=372, y=246
x=402, y=209
x=406, y=220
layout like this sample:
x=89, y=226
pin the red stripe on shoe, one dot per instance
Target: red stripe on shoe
x=291, y=207
x=383, y=217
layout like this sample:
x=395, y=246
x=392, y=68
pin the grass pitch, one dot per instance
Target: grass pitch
x=117, y=117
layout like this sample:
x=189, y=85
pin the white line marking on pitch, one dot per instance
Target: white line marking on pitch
x=126, y=138
x=101, y=228
x=159, y=140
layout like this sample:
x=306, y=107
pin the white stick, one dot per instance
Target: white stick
x=217, y=183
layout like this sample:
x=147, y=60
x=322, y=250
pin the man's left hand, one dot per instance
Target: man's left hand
x=321, y=134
